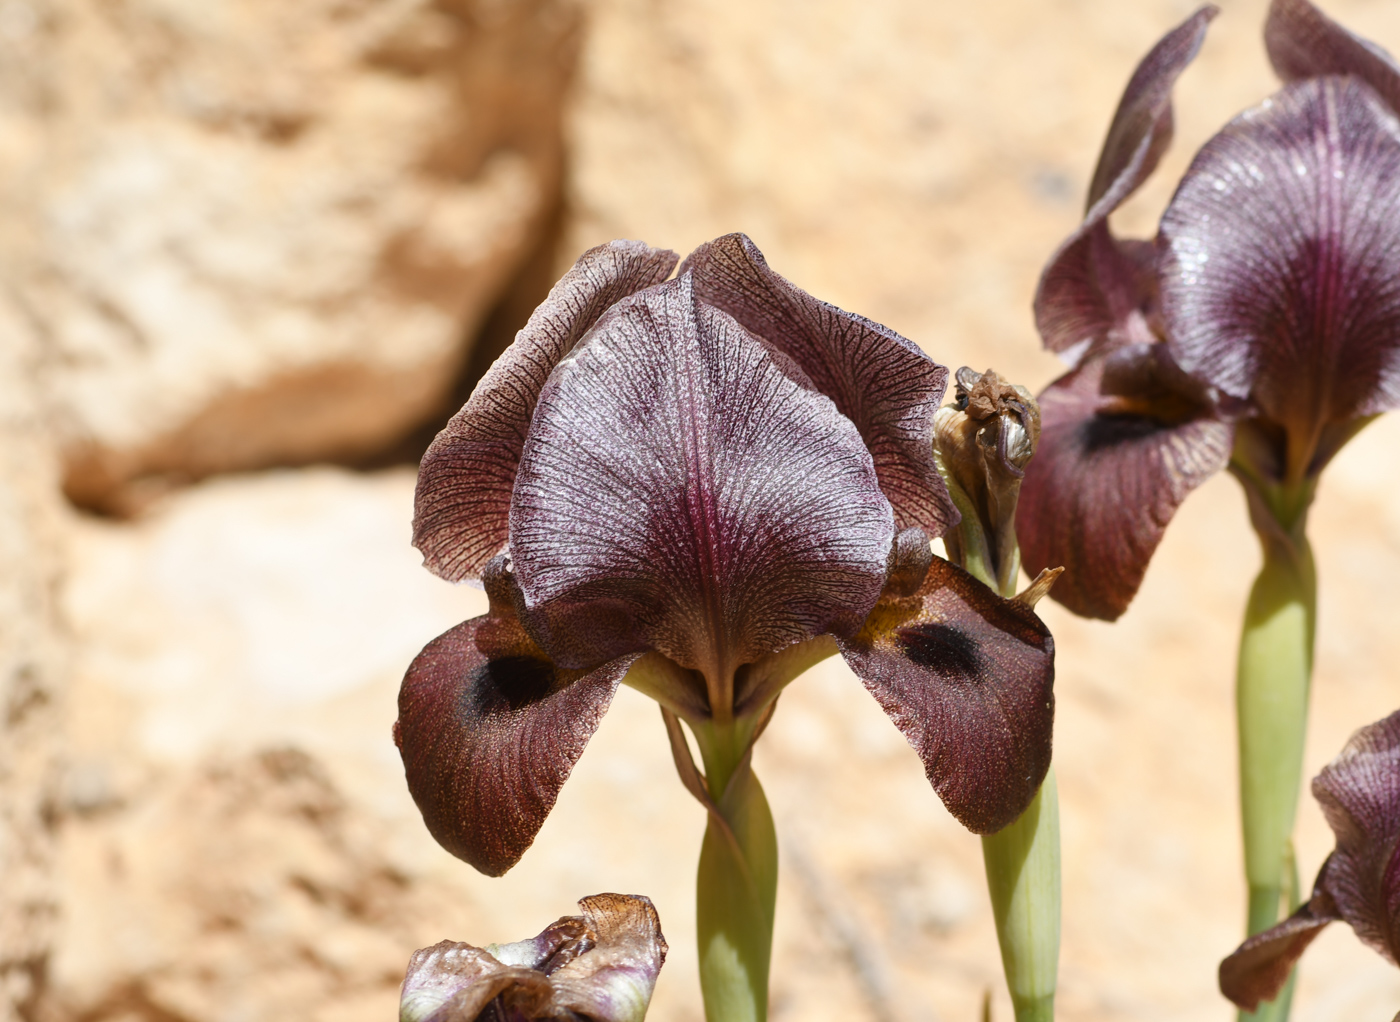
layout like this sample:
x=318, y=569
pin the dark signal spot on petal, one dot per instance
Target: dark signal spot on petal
x=516, y=680
x=943, y=649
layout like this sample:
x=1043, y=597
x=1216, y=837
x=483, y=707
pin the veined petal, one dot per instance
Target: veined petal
x=1260, y=966
x=968, y=678
x=462, y=505
x=488, y=739
x=1110, y=472
x=1360, y=796
x=879, y=380
x=1281, y=260
x=1305, y=43
x=613, y=982
x=1095, y=289
x=680, y=492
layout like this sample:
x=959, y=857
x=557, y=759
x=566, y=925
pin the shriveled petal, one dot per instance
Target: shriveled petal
x=462, y=505
x=1281, y=260
x=879, y=380
x=488, y=740
x=1095, y=288
x=613, y=981
x=968, y=678
x=454, y=982
x=1305, y=43
x=1109, y=474
x=601, y=965
x=1260, y=966
x=1360, y=796
x=680, y=492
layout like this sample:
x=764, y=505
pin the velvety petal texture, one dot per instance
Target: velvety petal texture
x=879, y=380
x=462, y=505
x=968, y=678
x=680, y=492
x=600, y=966
x=488, y=736
x=1095, y=289
x=1110, y=472
x=1281, y=260
x=1305, y=43
x=1257, y=971
x=1360, y=795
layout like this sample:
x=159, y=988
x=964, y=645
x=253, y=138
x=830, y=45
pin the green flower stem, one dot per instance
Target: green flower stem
x=737, y=882
x=1022, y=860
x=1023, y=876
x=1271, y=698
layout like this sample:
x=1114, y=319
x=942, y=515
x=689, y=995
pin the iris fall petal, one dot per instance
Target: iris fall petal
x=968, y=678
x=488, y=740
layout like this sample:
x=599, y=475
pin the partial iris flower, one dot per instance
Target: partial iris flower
x=1261, y=329
x=601, y=966
x=699, y=487
x=1360, y=881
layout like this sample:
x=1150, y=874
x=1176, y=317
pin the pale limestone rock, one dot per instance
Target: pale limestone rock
x=264, y=232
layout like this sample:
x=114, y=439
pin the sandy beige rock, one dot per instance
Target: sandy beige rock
x=265, y=232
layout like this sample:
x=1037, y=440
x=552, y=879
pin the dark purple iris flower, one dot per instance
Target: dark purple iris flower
x=1360, y=881
x=1260, y=329
x=700, y=486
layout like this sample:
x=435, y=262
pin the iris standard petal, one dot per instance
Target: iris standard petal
x=680, y=492
x=968, y=678
x=462, y=505
x=1360, y=796
x=1260, y=966
x=1305, y=43
x=1281, y=260
x=1109, y=474
x=879, y=380
x=488, y=740
x=1095, y=288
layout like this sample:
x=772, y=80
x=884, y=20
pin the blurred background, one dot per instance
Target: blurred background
x=257, y=252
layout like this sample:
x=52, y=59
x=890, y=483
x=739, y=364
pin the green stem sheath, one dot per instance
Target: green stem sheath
x=737, y=881
x=1023, y=876
x=1271, y=700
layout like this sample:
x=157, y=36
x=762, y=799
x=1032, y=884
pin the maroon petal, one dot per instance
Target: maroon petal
x=879, y=380
x=1109, y=474
x=1360, y=796
x=488, y=741
x=968, y=678
x=1095, y=289
x=462, y=505
x=1260, y=966
x=680, y=492
x=1305, y=43
x=1281, y=260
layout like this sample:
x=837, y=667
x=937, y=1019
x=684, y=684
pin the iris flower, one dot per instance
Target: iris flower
x=1359, y=882
x=699, y=487
x=601, y=966
x=1260, y=330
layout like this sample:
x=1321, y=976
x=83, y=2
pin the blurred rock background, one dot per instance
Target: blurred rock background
x=257, y=252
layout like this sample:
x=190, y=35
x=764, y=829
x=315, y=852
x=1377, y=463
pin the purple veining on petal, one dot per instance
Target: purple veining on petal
x=1281, y=260
x=462, y=505
x=1305, y=43
x=680, y=492
x=879, y=380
